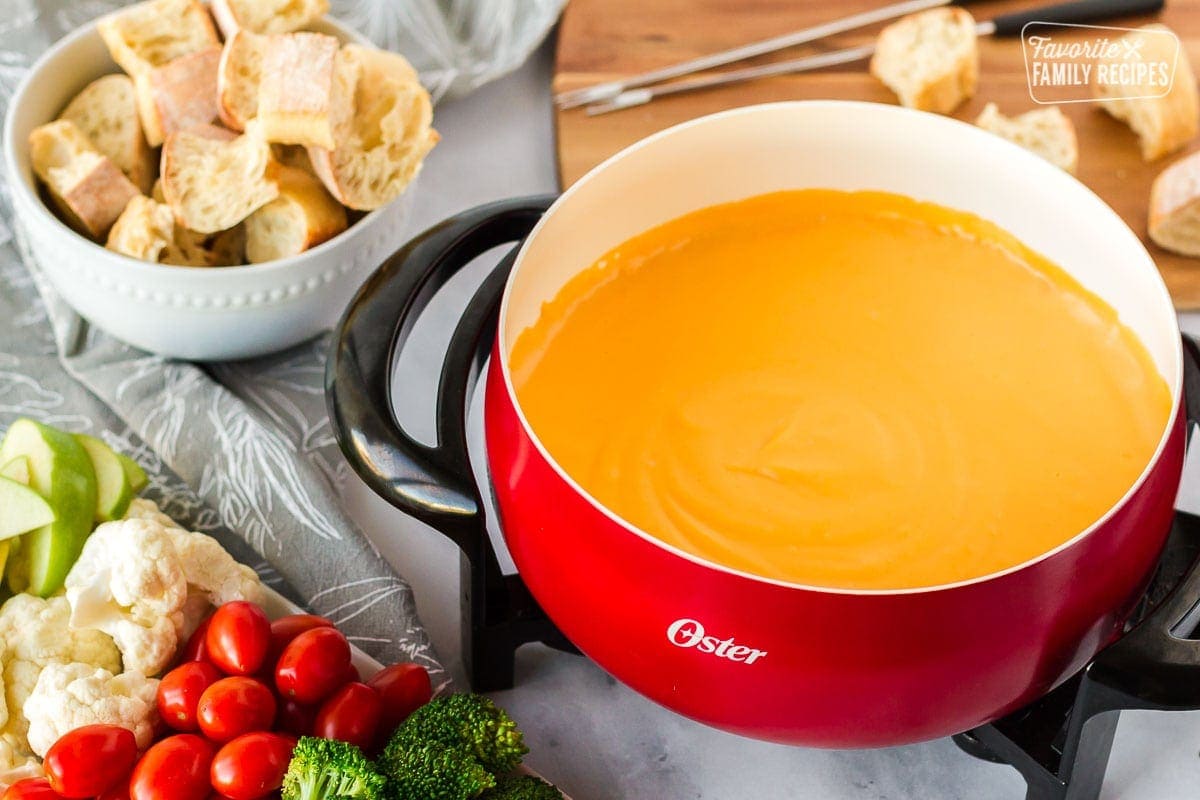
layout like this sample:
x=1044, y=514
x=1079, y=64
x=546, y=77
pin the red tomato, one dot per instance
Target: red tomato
x=31, y=789
x=296, y=718
x=351, y=675
x=196, y=648
x=402, y=688
x=179, y=693
x=175, y=768
x=284, y=629
x=251, y=765
x=233, y=706
x=313, y=666
x=351, y=715
x=87, y=760
x=118, y=791
x=238, y=637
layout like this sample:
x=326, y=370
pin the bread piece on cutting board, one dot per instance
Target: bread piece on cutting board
x=1048, y=132
x=178, y=95
x=238, y=77
x=301, y=217
x=106, y=113
x=382, y=144
x=212, y=185
x=1165, y=123
x=306, y=89
x=266, y=16
x=1174, y=222
x=929, y=59
x=152, y=33
x=87, y=187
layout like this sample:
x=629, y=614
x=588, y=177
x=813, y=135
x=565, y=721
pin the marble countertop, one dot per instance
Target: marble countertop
x=591, y=735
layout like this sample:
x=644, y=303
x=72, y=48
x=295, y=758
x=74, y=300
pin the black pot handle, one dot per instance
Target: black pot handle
x=432, y=483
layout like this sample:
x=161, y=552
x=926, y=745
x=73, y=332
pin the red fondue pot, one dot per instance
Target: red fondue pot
x=765, y=658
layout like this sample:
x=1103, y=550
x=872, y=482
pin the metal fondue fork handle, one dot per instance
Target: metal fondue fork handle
x=611, y=89
x=1004, y=25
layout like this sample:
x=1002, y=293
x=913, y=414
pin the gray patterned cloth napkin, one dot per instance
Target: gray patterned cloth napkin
x=243, y=451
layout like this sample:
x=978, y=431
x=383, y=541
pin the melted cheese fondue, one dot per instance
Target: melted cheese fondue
x=852, y=390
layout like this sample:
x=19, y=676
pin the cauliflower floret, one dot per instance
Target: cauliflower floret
x=141, y=508
x=147, y=582
x=16, y=762
x=129, y=583
x=212, y=572
x=68, y=696
x=37, y=632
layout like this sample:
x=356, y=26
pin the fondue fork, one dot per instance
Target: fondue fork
x=611, y=89
x=1077, y=12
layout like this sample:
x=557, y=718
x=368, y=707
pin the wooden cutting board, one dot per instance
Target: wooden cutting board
x=601, y=40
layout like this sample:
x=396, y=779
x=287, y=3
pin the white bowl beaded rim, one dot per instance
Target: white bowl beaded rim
x=195, y=313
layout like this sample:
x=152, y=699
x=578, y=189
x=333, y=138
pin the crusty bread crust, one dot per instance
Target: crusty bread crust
x=87, y=187
x=1046, y=131
x=106, y=112
x=929, y=59
x=1163, y=124
x=306, y=89
x=178, y=95
x=303, y=216
x=147, y=231
x=152, y=33
x=383, y=142
x=1174, y=218
x=266, y=16
x=212, y=185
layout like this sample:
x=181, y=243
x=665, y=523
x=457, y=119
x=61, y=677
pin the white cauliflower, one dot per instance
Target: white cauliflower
x=210, y=570
x=36, y=633
x=129, y=583
x=16, y=762
x=147, y=582
x=68, y=696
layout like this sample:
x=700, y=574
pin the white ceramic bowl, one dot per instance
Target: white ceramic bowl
x=204, y=314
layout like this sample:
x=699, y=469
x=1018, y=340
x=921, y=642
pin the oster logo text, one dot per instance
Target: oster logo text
x=688, y=633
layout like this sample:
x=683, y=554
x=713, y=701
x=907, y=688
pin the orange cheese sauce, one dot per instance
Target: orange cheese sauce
x=853, y=390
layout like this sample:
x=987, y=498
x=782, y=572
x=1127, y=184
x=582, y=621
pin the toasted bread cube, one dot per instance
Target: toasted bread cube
x=267, y=16
x=1047, y=132
x=152, y=33
x=306, y=89
x=383, y=143
x=179, y=95
x=106, y=113
x=89, y=189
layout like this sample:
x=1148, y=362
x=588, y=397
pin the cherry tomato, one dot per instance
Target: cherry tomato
x=313, y=666
x=251, y=765
x=196, y=648
x=351, y=714
x=351, y=675
x=175, y=768
x=402, y=688
x=87, y=760
x=179, y=693
x=118, y=791
x=284, y=629
x=238, y=638
x=296, y=718
x=31, y=789
x=233, y=706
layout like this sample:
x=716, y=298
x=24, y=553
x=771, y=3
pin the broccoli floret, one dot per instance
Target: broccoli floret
x=323, y=769
x=522, y=787
x=469, y=722
x=433, y=772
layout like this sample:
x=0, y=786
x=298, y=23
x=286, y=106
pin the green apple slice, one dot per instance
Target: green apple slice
x=21, y=509
x=17, y=470
x=113, y=491
x=60, y=471
x=134, y=472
